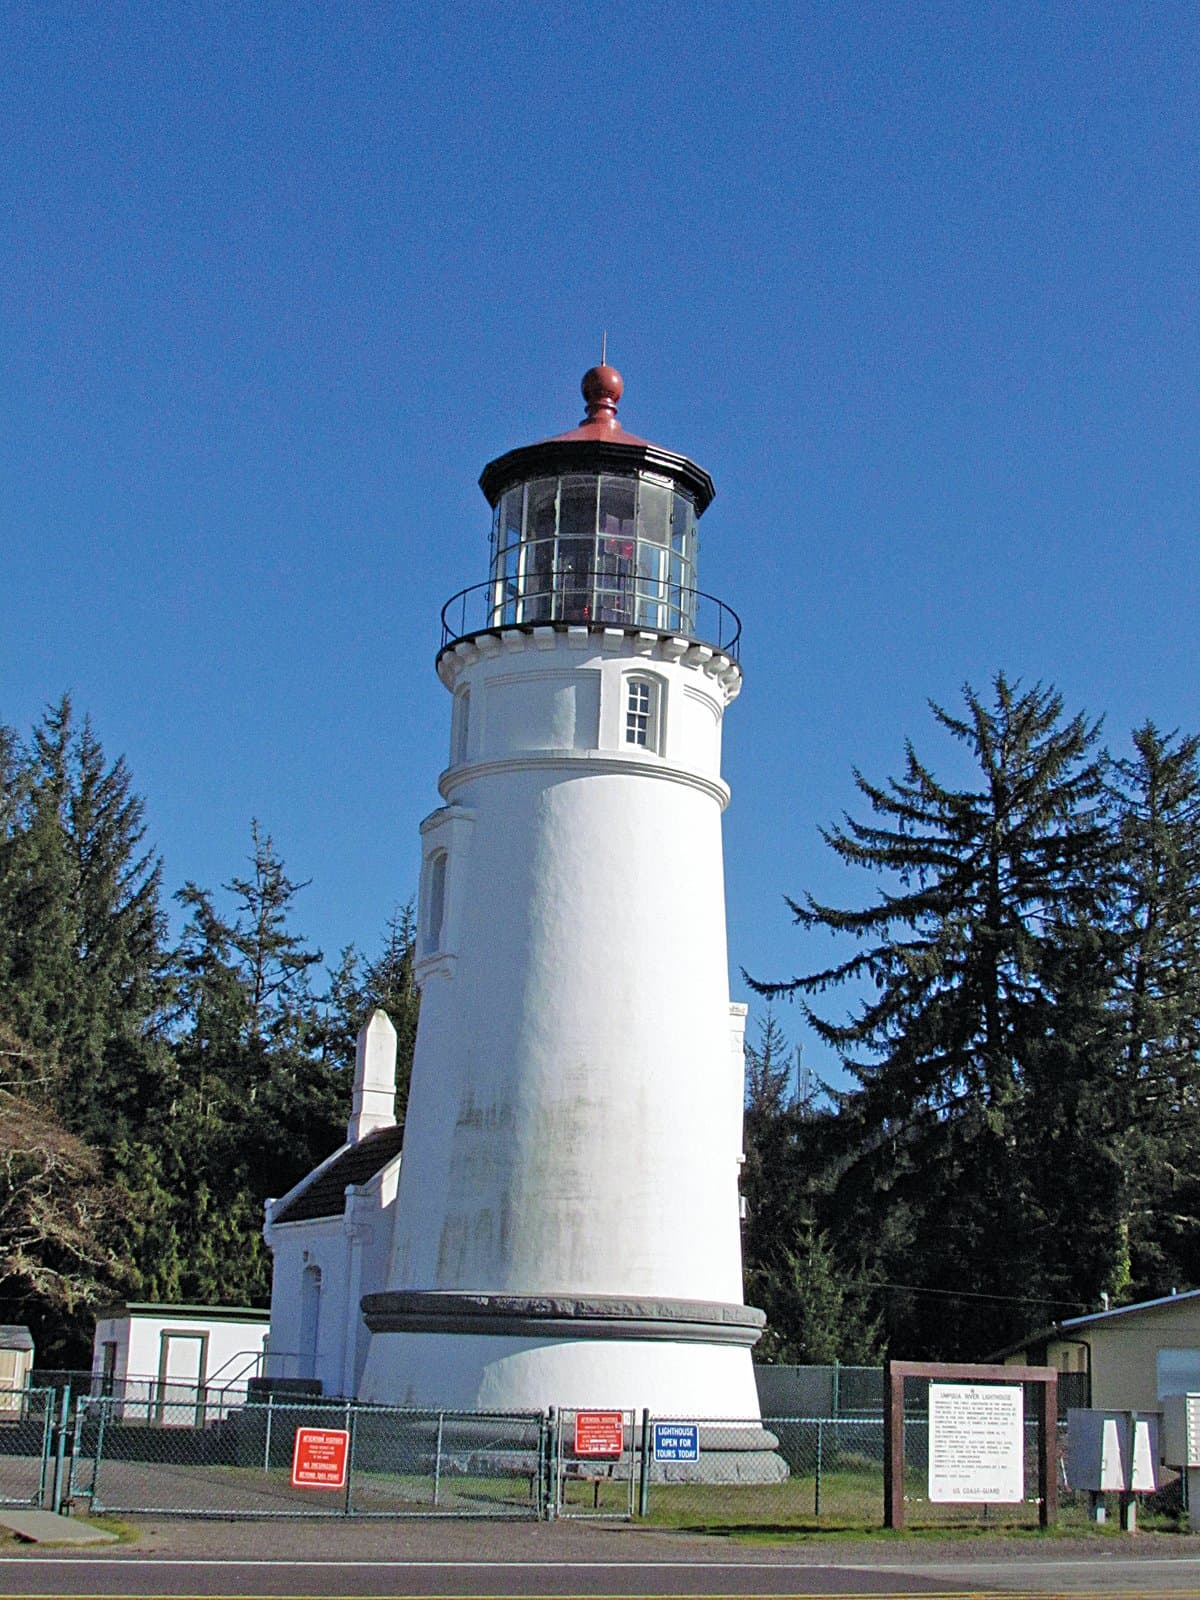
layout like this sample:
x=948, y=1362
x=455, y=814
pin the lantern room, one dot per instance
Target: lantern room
x=595, y=547
x=594, y=527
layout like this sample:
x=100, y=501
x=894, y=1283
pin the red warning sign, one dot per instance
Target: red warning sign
x=319, y=1458
x=599, y=1433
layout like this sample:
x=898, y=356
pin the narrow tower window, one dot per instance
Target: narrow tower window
x=459, y=727
x=435, y=903
x=310, y=1321
x=642, y=712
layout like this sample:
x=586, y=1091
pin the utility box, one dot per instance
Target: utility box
x=1181, y=1430
x=1181, y=1446
x=1113, y=1452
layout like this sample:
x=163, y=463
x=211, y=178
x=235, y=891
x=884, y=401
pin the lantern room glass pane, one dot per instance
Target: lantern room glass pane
x=538, y=585
x=615, y=547
x=540, y=506
x=682, y=524
x=577, y=508
x=510, y=516
x=654, y=511
x=576, y=549
x=617, y=497
x=651, y=589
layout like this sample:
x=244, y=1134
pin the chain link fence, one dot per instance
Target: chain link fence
x=837, y=1391
x=594, y=1467
x=821, y=1472
x=27, y=1419
x=144, y=1397
x=275, y=1457
x=310, y=1460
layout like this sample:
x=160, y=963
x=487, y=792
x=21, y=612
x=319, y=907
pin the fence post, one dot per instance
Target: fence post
x=76, y=1449
x=350, y=1416
x=644, y=1467
x=437, y=1459
x=540, y=1495
x=99, y=1456
x=267, y=1433
x=837, y=1396
x=893, y=1446
x=817, y=1475
x=552, y=1465
x=60, y=1449
x=49, y=1420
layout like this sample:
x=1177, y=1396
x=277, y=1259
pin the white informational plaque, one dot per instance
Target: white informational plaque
x=976, y=1443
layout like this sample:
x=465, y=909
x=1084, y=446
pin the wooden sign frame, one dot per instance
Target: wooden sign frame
x=895, y=1372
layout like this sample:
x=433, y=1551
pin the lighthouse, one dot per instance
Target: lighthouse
x=566, y=1227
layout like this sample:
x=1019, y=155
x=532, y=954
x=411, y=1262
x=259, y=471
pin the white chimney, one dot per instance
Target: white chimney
x=374, y=1103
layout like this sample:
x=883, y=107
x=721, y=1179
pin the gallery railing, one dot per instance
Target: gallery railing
x=592, y=599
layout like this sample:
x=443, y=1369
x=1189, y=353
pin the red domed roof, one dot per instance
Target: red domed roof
x=602, y=388
x=598, y=444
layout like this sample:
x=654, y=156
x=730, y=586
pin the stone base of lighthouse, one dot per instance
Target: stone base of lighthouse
x=674, y=1358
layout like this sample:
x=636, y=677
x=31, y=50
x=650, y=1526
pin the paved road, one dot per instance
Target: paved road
x=423, y=1559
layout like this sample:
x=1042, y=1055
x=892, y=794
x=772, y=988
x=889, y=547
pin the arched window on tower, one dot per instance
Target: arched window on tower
x=435, y=903
x=643, y=712
x=460, y=725
x=310, y=1320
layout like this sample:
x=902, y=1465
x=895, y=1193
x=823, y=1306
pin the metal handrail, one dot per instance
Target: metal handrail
x=252, y=1369
x=486, y=604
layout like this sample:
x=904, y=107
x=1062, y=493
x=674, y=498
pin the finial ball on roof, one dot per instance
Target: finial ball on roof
x=602, y=387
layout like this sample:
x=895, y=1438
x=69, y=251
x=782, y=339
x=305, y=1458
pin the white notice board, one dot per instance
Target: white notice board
x=976, y=1443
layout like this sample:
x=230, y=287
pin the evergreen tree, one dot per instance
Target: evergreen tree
x=776, y=1182
x=255, y=1104
x=813, y=1317
x=55, y=1262
x=813, y=1313
x=1157, y=792
x=355, y=990
x=274, y=963
x=389, y=983
x=967, y=1019
x=81, y=927
x=769, y=1088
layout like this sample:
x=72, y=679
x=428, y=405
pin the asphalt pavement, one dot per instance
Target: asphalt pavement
x=175, y=1557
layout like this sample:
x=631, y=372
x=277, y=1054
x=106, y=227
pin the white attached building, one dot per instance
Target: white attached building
x=329, y=1235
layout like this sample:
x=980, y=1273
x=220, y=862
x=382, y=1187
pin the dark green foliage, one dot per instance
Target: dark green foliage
x=151, y=1100
x=813, y=1316
x=813, y=1313
x=55, y=1263
x=356, y=989
x=1157, y=795
x=984, y=1150
x=81, y=929
x=82, y=996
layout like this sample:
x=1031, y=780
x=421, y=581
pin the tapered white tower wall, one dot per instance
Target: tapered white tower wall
x=567, y=1222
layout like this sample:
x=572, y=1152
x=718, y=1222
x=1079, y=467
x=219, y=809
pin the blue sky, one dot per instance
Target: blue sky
x=916, y=283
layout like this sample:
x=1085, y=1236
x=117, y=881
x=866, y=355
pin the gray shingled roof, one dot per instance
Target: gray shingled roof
x=325, y=1196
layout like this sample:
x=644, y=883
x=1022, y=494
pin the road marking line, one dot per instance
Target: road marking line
x=690, y=1594
x=915, y=1566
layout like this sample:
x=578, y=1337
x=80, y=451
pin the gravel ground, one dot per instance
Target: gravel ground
x=482, y=1541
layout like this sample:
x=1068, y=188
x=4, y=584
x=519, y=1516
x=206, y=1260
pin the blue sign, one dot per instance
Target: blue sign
x=676, y=1441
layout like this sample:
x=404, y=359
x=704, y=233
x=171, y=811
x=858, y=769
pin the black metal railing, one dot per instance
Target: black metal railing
x=593, y=600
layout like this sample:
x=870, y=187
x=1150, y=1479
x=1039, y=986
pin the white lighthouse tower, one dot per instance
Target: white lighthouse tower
x=567, y=1221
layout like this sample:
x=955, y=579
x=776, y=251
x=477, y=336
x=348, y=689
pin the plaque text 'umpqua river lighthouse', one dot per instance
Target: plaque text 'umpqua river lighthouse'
x=566, y=1226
